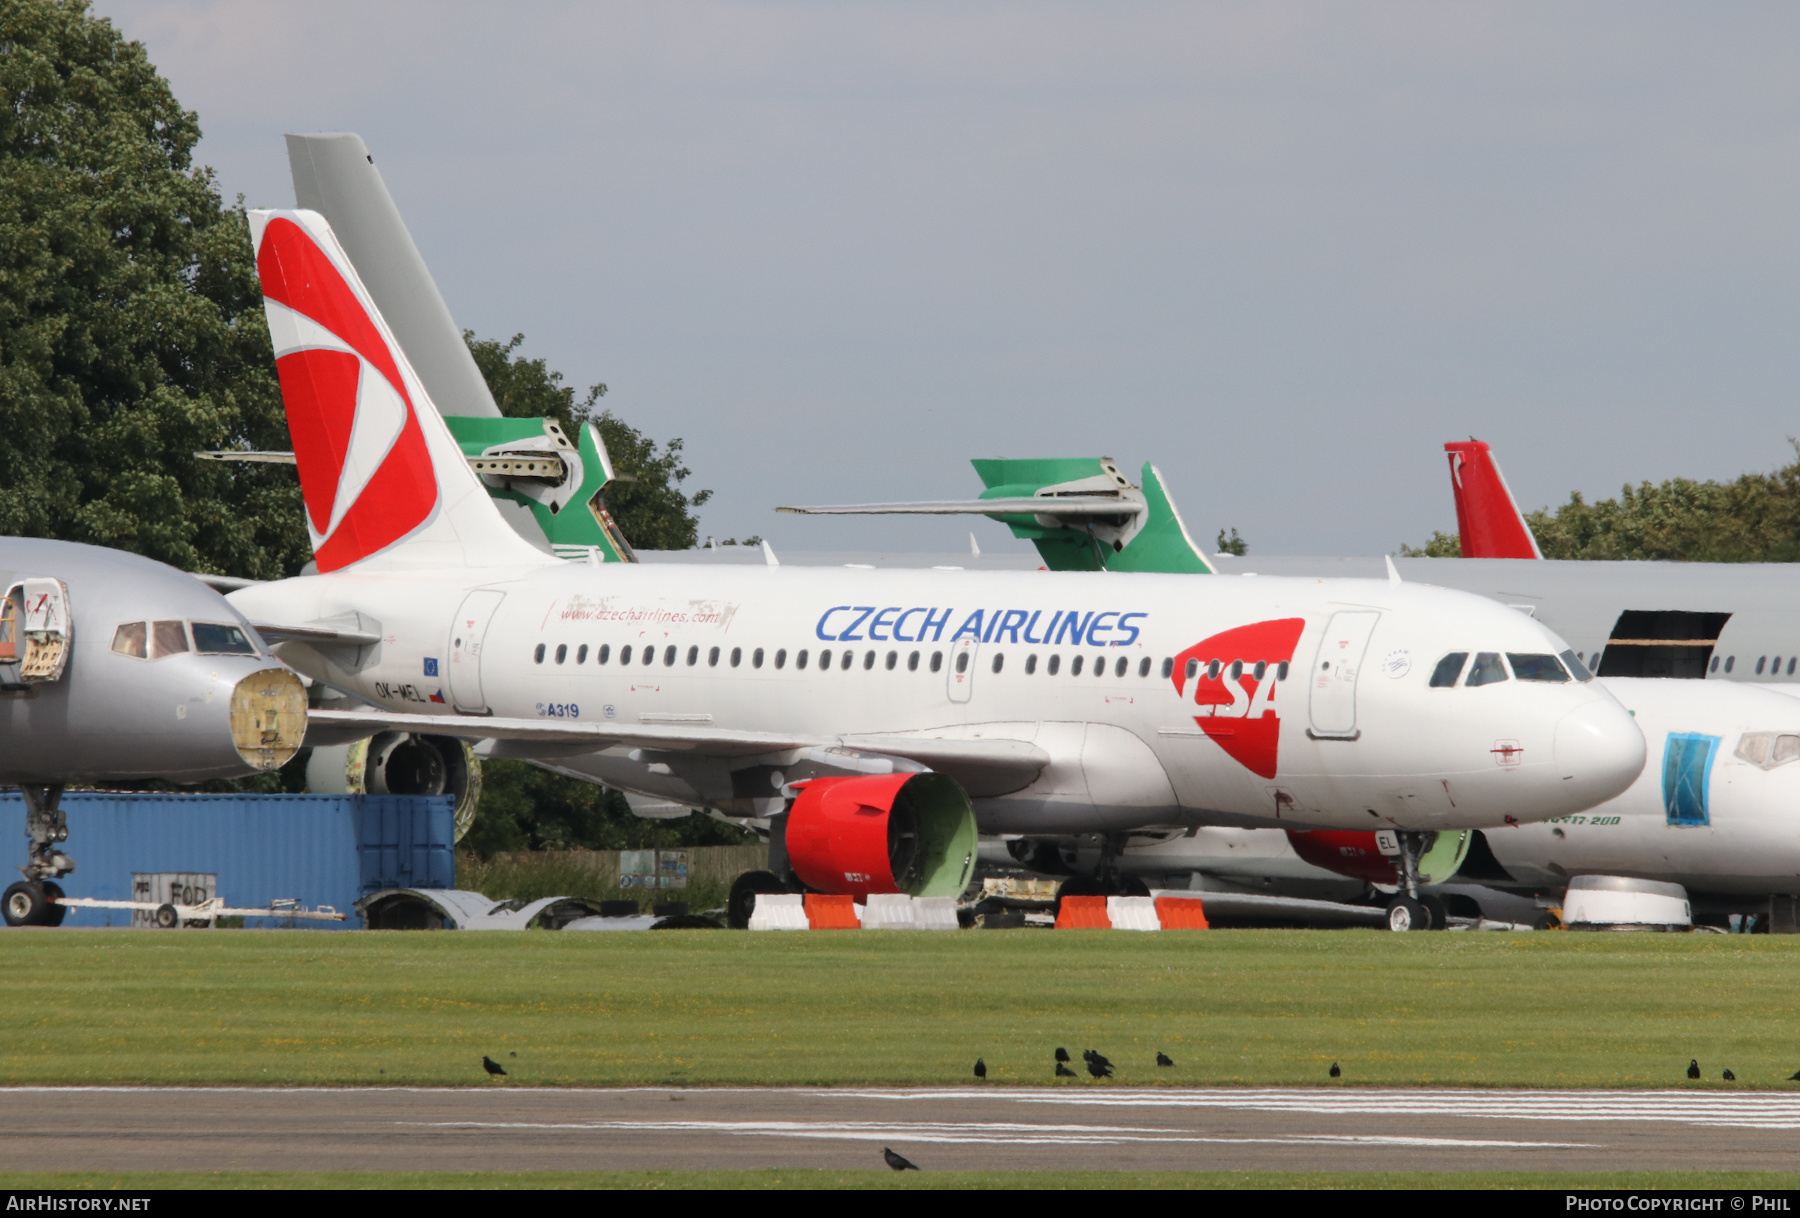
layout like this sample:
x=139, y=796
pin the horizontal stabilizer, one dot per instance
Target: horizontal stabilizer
x=1063, y=508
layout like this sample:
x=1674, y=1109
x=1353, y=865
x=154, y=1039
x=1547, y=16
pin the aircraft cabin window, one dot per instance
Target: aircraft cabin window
x=1448, y=669
x=1487, y=670
x=1573, y=663
x=1787, y=748
x=537, y=657
x=1075, y=666
x=1055, y=663
x=581, y=654
x=1030, y=664
x=800, y=658
x=1729, y=661
x=649, y=655
x=1099, y=666
x=756, y=658
x=1281, y=671
x=712, y=658
x=1536, y=667
x=1144, y=667
x=893, y=658
x=737, y=656
x=1122, y=667
x=868, y=661
x=668, y=657
x=1168, y=667
x=1790, y=671
x=1193, y=669
x=167, y=639
x=999, y=661
x=693, y=656
x=1714, y=666
x=781, y=658
x=962, y=662
x=624, y=654
x=562, y=652
x=1768, y=749
x=1775, y=666
x=848, y=658
x=937, y=661
x=129, y=640
x=1213, y=669
x=912, y=662
x=1237, y=669
x=604, y=654
x=1760, y=661
x=824, y=661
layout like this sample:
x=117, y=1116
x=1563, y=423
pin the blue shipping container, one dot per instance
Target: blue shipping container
x=318, y=849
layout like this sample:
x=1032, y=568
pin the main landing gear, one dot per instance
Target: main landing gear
x=33, y=901
x=1409, y=910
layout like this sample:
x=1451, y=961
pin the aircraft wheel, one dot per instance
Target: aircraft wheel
x=165, y=917
x=1404, y=913
x=23, y=904
x=1130, y=886
x=54, y=913
x=742, y=901
x=1440, y=913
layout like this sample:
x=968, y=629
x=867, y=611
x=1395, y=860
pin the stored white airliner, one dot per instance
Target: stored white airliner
x=871, y=707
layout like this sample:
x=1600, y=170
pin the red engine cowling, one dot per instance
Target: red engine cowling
x=1348, y=852
x=910, y=833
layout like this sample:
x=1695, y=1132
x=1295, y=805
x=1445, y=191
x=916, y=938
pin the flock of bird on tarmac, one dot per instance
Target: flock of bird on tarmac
x=1099, y=1067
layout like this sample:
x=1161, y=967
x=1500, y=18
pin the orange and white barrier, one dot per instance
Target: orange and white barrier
x=1131, y=913
x=881, y=911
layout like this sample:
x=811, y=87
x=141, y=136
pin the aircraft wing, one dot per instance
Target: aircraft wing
x=318, y=635
x=983, y=767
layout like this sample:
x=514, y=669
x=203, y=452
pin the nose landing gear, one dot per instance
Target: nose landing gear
x=1409, y=910
x=33, y=901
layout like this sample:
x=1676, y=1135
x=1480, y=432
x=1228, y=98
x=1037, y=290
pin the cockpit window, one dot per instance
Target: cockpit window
x=130, y=640
x=1536, y=667
x=1486, y=670
x=1769, y=749
x=220, y=639
x=1448, y=669
x=167, y=639
x=1574, y=665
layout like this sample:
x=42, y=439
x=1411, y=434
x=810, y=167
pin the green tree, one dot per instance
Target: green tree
x=525, y=808
x=647, y=500
x=1441, y=545
x=1233, y=544
x=131, y=332
x=1753, y=518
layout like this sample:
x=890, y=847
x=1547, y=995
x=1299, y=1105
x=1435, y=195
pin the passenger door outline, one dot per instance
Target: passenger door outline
x=1331, y=690
x=468, y=634
x=960, y=667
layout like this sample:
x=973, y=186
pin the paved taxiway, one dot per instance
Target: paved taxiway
x=513, y=1128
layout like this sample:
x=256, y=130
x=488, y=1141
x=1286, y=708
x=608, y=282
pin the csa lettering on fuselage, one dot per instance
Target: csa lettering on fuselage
x=894, y=623
x=1236, y=675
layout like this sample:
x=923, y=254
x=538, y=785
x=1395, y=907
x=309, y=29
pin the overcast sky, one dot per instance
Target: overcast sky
x=1283, y=250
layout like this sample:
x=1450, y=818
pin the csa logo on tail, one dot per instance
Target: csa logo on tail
x=365, y=471
x=1236, y=676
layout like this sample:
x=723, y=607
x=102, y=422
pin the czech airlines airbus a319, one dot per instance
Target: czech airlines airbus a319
x=877, y=716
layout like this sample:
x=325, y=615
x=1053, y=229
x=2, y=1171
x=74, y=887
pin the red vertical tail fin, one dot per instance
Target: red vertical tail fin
x=1488, y=519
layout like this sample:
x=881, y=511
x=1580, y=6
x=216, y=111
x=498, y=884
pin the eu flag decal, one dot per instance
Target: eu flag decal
x=431, y=666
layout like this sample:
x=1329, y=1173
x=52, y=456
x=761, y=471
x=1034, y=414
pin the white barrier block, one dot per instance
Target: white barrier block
x=934, y=913
x=779, y=911
x=1133, y=913
x=888, y=911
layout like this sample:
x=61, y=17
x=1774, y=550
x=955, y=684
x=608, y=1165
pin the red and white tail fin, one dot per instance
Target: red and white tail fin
x=1488, y=519
x=384, y=482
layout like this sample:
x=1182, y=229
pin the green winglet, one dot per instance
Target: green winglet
x=1158, y=542
x=574, y=519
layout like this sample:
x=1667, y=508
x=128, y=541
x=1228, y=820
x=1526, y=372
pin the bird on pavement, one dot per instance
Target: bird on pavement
x=1694, y=1067
x=1335, y=1072
x=1730, y=1077
x=980, y=1068
x=1062, y=1055
x=1063, y=1071
x=492, y=1066
x=898, y=1162
x=1163, y=1059
x=1100, y=1069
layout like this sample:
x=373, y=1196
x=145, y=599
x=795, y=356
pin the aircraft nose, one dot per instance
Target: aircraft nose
x=268, y=717
x=1599, y=752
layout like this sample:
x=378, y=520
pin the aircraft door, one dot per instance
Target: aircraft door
x=36, y=629
x=961, y=670
x=467, y=634
x=1332, y=696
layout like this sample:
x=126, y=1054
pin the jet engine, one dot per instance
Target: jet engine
x=1355, y=853
x=400, y=763
x=910, y=833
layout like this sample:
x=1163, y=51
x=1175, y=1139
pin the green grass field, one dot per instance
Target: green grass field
x=802, y=1178
x=1242, y=1007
